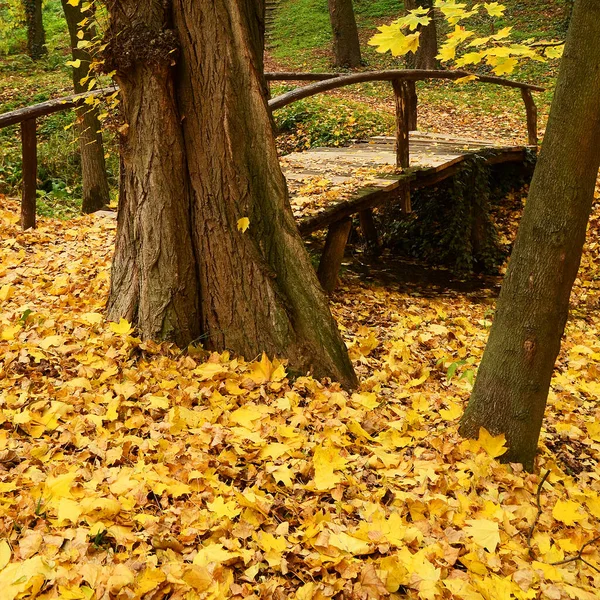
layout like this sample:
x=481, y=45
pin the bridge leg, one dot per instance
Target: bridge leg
x=369, y=231
x=333, y=254
x=404, y=197
x=30, y=167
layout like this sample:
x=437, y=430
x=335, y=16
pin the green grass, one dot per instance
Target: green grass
x=303, y=31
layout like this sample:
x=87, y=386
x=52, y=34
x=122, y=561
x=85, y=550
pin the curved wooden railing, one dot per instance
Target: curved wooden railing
x=403, y=83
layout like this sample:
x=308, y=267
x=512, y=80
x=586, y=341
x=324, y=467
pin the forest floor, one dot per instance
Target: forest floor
x=134, y=470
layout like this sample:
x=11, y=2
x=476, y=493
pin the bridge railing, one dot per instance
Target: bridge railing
x=403, y=83
x=405, y=95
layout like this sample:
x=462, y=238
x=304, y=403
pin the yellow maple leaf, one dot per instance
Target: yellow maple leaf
x=326, y=461
x=5, y=554
x=243, y=224
x=350, y=544
x=484, y=532
x=494, y=9
x=10, y=332
x=123, y=327
x=224, y=509
x=6, y=292
x=567, y=512
x=495, y=446
x=214, y=553
x=390, y=38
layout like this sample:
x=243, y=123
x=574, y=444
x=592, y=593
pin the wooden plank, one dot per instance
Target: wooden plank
x=333, y=254
x=369, y=231
x=30, y=167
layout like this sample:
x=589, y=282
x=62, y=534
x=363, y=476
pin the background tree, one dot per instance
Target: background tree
x=425, y=56
x=93, y=166
x=512, y=385
x=207, y=246
x=346, y=45
x=36, y=36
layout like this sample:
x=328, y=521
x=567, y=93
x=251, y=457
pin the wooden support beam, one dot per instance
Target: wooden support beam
x=30, y=167
x=404, y=197
x=532, y=117
x=402, y=98
x=333, y=254
x=369, y=231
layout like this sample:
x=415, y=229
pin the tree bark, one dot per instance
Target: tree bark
x=346, y=45
x=96, y=194
x=512, y=386
x=199, y=155
x=36, y=36
x=425, y=57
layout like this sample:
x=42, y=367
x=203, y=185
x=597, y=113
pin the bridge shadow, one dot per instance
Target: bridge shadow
x=415, y=278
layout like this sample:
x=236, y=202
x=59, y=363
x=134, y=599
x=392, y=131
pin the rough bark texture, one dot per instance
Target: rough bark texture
x=514, y=377
x=36, y=36
x=200, y=155
x=346, y=45
x=425, y=57
x=96, y=193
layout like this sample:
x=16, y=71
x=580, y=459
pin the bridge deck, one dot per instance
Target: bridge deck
x=364, y=174
x=330, y=185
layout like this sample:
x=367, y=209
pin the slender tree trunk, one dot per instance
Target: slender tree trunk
x=346, y=45
x=514, y=377
x=425, y=57
x=199, y=156
x=96, y=193
x=36, y=36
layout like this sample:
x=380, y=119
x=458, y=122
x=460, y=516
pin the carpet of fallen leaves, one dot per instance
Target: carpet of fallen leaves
x=133, y=470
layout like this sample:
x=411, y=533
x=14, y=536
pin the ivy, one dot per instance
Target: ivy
x=452, y=224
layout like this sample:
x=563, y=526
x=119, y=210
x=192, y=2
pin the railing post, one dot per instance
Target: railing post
x=402, y=97
x=532, y=113
x=30, y=167
x=412, y=105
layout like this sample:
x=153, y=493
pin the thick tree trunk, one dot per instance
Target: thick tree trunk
x=200, y=155
x=346, y=45
x=425, y=57
x=514, y=377
x=36, y=36
x=96, y=193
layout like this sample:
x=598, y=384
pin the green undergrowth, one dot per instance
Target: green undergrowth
x=459, y=223
x=328, y=121
x=24, y=82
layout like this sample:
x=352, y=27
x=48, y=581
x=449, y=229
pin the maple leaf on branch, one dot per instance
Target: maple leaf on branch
x=493, y=51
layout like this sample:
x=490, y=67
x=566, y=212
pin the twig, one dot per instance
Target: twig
x=539, y=512
x=579, y=556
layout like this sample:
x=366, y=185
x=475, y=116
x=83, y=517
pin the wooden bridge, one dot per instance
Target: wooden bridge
x=406, y=162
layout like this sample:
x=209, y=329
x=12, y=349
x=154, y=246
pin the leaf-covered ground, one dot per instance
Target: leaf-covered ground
x=134, y=470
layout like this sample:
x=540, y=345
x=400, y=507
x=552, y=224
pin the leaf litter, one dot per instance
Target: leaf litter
x=131, y=470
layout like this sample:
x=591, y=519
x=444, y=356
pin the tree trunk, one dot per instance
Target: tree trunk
x=514, y=377
x=96, y=193
x=346, y=45
x=199, y=155
x=425, y=57
x=36, y=36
